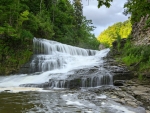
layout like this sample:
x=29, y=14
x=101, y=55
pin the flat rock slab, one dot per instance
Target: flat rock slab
x=147, y=111
x=140, y=92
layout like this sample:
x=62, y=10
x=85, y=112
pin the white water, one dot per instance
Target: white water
x=56, y=61
x=70, y=58
x=52, y=55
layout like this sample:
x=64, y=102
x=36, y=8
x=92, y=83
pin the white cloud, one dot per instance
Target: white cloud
x=103, y=17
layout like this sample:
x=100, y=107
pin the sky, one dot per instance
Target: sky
x=104, y=17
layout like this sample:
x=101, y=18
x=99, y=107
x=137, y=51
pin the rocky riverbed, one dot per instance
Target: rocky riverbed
x=130, y=94
x=135, y=94
x=128, y=89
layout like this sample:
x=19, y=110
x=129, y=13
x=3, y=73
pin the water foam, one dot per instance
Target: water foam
x=54, y=61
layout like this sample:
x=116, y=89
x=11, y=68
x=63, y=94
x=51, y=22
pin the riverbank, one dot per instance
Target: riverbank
x=13, y=54
x=129, y=89
x=133, y=93
x=130, y=95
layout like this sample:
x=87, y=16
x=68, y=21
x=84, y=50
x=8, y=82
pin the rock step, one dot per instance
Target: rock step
x=74, y=83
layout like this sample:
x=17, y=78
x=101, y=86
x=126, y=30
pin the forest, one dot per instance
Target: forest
x=133, y=8
x=112, y=33
x=22, y=20
x=135, y=57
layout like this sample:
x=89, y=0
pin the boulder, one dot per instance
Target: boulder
x=119, y=82
x=101, y=46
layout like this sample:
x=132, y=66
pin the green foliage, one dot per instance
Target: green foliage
x=136, y=57
x=131, y=59
x=104, y=2
x=137, y=9
x=25, y=56
x=59, y=20
x=8, y=30
x=13, y=54
x=89, y=43
x=23, y=17
x=26, y=34
x=112, y=33
x=147, y=23
x=119, y=42
x=140, y=77
x=44, y=25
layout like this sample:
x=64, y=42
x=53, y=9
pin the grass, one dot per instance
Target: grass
x=137, y=58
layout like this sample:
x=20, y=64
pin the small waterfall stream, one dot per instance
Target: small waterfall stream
x=55, y=69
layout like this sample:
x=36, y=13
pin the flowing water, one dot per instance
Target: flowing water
x=58, y=82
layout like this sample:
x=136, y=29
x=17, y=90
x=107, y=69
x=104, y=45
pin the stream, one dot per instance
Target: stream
x=61, y=79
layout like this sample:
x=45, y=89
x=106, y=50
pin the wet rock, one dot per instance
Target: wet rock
x=122, y=75
x=101, y=46
x=128, y=99
x=113, y=97
x=119, y=82
x=121, y=94
x=7, y=90
x=119, y=71
x=123, y=88
x=147, y=111
x=44, y=85
x=140, y=92
x=139, y=103
x=76, y=83
x=121, y=101
x=131, y=103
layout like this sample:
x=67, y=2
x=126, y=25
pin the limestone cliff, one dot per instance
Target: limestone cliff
x=141, y=36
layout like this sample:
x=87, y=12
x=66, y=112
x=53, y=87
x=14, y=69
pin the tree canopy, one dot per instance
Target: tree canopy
x=58, y=20
x=137, y=9
x=104, y=2
x=118, y=30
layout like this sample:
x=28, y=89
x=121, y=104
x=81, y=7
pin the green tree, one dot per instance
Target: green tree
x=57, y=20
x=137, y=9
x=112, y=32
x=78, y=16
x=104, y=2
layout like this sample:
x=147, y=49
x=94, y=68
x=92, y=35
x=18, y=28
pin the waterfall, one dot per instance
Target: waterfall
x=43, y=46
x=57, y=65
x=50, y=55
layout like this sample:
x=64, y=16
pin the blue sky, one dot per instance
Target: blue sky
x=104, y=17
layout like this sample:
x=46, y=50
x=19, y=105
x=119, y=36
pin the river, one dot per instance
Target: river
x=60, y=79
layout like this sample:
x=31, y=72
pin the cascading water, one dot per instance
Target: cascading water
x=62, y=66
x=55, y=65
x=50, y=55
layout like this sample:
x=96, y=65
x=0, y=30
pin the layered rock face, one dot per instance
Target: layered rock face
x=141, y=36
